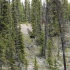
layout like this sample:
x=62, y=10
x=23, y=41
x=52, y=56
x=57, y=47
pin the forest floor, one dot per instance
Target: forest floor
x=33, y=51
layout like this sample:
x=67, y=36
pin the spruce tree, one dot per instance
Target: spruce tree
x=0, y=14
x=22, y=13
x=18, y=40
x=35, y=64
x=15, y=16
x=5, y=29
x=29, y=12
x=26, y=10
x=65, y=8
x=36, y=18
x=69, y=12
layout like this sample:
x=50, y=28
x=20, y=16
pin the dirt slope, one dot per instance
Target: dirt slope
x=25, y=27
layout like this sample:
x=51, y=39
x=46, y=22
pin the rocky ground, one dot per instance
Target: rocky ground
x=32, y=50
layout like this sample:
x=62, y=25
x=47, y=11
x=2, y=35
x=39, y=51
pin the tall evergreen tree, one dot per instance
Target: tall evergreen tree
x=36, y=18
x=69, y=12
x=0, y=14
x=15, y=11
x=18, y=40
x=5, y=29
x=26, y=9
x=22, y=13
x=11, y=45
x=29, y=12
x=65, y=8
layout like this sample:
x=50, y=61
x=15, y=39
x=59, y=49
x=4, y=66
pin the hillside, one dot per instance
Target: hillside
x=33, y=51
x=34, y=35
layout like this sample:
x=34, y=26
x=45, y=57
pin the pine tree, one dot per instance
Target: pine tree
x=69, y=12
x=33, y=16
x=35, y=64
x=26, y=10
x=0, y=14
x=22, y=13
x=5, y=29
x=18, y=40
x=60, y=20
x=29, y=12
x=36, y=20
x=48, y=39
x=15, y=11
x=65, y=8
x=18, y=3
x=49, y=51
x=11, y=45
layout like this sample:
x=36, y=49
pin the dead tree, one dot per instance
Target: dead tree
x=61, y=22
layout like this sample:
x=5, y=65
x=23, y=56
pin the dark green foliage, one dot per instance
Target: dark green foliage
x=4, y=32
x=21, y=47
x=18, y=40
x=11, y=39
x=53, y=25
x=49, y=51
x=69, y=12
x=22, y=14
x=10, y=35
x=27, y=10
x=36, y=21
x=65, y=9
x=4, y=15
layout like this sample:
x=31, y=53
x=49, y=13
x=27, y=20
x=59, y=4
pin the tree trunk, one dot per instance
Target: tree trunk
x=61, y=21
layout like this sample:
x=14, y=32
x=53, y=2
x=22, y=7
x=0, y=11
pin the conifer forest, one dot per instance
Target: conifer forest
x=34, y=35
